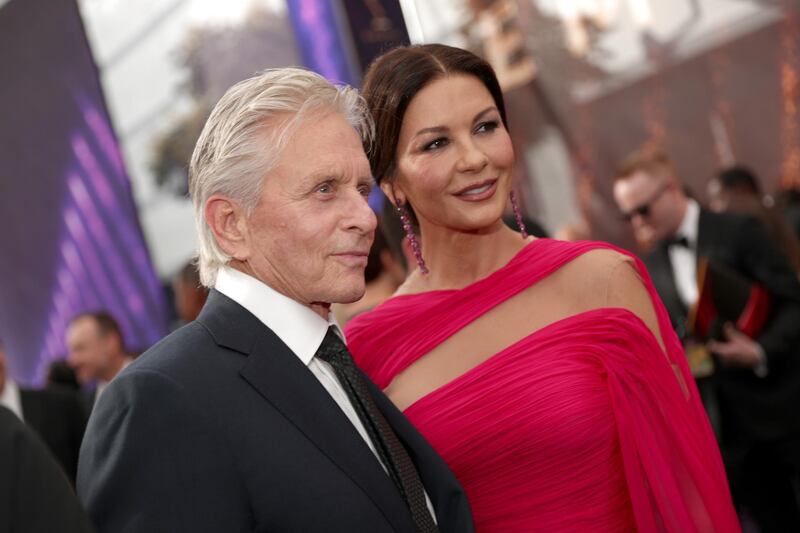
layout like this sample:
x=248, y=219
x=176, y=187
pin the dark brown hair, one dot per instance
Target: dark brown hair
x=374, y=264
x=739, y=179
x=397, y=76
x=106, y=324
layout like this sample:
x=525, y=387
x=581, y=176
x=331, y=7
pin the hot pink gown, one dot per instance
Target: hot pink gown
x=581, y=426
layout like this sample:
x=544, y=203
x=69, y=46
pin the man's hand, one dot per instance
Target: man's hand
x=738, y=350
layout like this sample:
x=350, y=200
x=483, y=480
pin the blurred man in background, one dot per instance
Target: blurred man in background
x=57, y=416
x=736, y=190
x=96, y=351
x=61, y=376
x=756, y=381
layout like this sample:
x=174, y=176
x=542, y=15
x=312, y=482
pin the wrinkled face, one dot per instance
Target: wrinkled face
x=454, y=157
x=653, y=204
x=88, y=350
x=310, y=233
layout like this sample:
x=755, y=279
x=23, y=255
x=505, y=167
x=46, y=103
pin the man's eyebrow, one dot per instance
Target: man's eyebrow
x=322, y=174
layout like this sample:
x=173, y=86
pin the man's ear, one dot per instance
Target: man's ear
x=113, y=342
x=228, y=223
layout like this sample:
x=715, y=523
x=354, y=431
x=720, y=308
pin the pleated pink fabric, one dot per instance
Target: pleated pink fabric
x=581, y=426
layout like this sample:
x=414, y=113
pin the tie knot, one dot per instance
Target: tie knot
x=332, y=346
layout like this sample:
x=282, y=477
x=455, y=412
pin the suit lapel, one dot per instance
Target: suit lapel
x=705, y=227
x=663, y=277
x=31, y=408
x=448, y=498
x=282, y=380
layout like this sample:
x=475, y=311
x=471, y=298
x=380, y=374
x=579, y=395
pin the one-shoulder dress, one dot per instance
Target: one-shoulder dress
x=583, y=425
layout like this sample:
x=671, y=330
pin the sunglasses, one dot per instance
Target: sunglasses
x=643, y=210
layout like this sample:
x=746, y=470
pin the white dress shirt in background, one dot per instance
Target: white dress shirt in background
x=684, y=259
x=10, y=398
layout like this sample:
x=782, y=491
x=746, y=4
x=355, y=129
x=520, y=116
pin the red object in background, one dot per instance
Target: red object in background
x=725, y=296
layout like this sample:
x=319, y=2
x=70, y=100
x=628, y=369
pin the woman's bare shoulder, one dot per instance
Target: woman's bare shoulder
x=587, y=276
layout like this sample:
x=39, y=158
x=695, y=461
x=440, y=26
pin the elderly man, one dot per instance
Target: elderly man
x=253, y=417
x=757, y=381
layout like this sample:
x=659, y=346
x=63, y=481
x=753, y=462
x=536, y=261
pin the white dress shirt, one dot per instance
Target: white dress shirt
x=683, y=259
x=10, y=398
x=302, y=330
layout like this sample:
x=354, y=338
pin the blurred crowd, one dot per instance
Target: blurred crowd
x=45, y=451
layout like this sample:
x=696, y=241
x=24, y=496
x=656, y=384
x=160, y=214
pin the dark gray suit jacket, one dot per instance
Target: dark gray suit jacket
x=220, y=428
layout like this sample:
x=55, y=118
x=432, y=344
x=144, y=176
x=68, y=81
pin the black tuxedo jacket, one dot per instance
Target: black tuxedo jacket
x=87, y=397
x=221, y=428
x=35, y=496
x=760, y=408
x=58, y=417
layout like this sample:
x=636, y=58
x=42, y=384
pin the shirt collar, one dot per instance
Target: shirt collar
x=11, y=398
x=297, y=325
x=690, y=223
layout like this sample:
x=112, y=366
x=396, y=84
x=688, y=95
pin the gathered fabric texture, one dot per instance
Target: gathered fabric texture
x=585, y=424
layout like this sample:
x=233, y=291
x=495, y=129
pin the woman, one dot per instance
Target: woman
x=545, y=373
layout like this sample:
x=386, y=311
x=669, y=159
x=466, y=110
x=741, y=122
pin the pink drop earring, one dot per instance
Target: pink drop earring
x=517, y=215
x=411, y=236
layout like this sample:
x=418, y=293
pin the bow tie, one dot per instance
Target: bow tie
x=678, y=241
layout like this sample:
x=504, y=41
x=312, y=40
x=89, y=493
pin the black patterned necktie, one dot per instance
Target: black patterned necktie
x=391, y=452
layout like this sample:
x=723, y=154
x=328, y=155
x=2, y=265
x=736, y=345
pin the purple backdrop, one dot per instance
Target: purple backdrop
x=70, y=238
x=321, y=43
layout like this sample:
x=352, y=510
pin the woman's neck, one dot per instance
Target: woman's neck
x=456, y=259
x=378, y=290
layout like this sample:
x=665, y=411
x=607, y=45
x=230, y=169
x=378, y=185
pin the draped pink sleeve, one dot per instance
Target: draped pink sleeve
x=583, y=425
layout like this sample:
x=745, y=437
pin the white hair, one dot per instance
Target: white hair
x=242, y=140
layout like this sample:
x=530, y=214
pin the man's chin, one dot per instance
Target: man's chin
x=348, y=295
